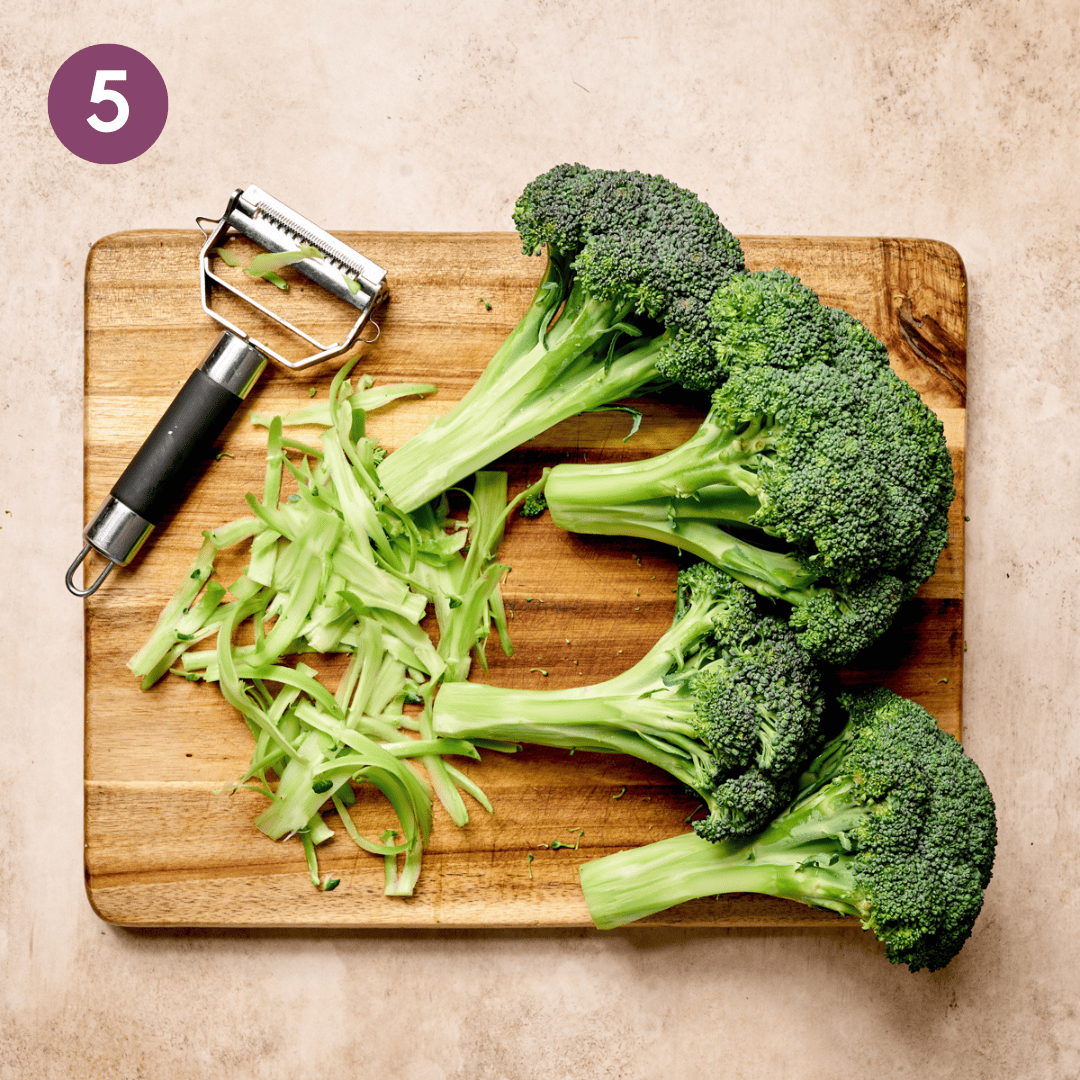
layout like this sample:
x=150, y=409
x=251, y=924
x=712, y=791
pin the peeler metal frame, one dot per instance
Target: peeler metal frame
x=197, y=415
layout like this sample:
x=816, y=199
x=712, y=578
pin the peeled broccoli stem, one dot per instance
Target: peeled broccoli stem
x=684, y=498
x=543, y=373
x=800, y=856
x=633, y=713
x=330, y=572
x=659, y=734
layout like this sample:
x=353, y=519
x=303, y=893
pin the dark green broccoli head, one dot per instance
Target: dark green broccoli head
x=905, y=440
x=854, y=472
x=658, y=243
x=923, y=847
x=701, y=587
x=835, y=623
x=853, y=346
x=743, y=805
x=756, y=701
x=725, y=702
x=637, y=240
x=758, y=709
x=759, y=703
x=891, y=823
x=768, y=319
x=553, y=209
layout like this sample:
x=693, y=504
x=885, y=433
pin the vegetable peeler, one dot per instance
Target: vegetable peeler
x=206, y=402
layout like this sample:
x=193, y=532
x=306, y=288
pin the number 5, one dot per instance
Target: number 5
x=102, y=93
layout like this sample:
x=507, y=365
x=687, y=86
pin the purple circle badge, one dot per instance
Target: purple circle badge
x=108, y=104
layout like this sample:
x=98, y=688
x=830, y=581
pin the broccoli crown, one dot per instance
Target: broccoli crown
x=852, y=471
x=757, y=702
x=768, y=319
x=632, y=260
x=920, y=844
x=743, y=804
x=702, y=587
x=552, y=210
x=637, y=240
x=818, y=477
x=852, y=344
x=836, y=623
x=891, y=822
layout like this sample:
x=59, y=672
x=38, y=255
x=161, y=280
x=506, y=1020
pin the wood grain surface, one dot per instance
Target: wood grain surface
x=164, y=846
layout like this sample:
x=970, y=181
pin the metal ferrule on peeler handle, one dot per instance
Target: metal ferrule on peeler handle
x=172, y=451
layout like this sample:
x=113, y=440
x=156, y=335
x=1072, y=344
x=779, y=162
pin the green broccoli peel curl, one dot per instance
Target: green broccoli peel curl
x=893, y=824
x=632, y=262
x=725, y=702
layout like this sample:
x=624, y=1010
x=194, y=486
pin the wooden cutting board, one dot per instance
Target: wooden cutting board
x=164, y=848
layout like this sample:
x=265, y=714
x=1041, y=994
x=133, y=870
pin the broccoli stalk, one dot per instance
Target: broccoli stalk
x=541, y=375
x=725, y=702
x=893, y=824
x=686, y=498
x=631, y=263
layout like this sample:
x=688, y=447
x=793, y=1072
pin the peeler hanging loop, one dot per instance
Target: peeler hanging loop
x=69, y=577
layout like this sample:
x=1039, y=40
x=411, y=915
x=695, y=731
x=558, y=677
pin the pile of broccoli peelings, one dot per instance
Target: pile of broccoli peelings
x=813, y=501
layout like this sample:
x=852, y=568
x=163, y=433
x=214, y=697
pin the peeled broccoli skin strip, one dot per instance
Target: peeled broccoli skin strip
x=726, y=702
x=825, y=485
x=632, y=262
x=334, y=568
x=894, y=824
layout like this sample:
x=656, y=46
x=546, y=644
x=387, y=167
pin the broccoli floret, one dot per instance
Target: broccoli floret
x=533, y=506
x=632, y=263
x=893, y=824
x=771, y=319
x=768, y=318
x=725, y=701
x=823, y=483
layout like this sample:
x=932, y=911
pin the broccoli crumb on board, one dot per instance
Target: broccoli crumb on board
x=557, y=845
x=533, y=506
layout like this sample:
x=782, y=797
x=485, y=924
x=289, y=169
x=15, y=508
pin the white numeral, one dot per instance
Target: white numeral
x=102, y=93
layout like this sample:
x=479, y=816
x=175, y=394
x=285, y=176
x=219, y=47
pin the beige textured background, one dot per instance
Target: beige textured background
x=947, y=119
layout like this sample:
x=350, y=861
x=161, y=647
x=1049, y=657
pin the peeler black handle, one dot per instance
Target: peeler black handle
x=169, y=456
x=172, y=452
